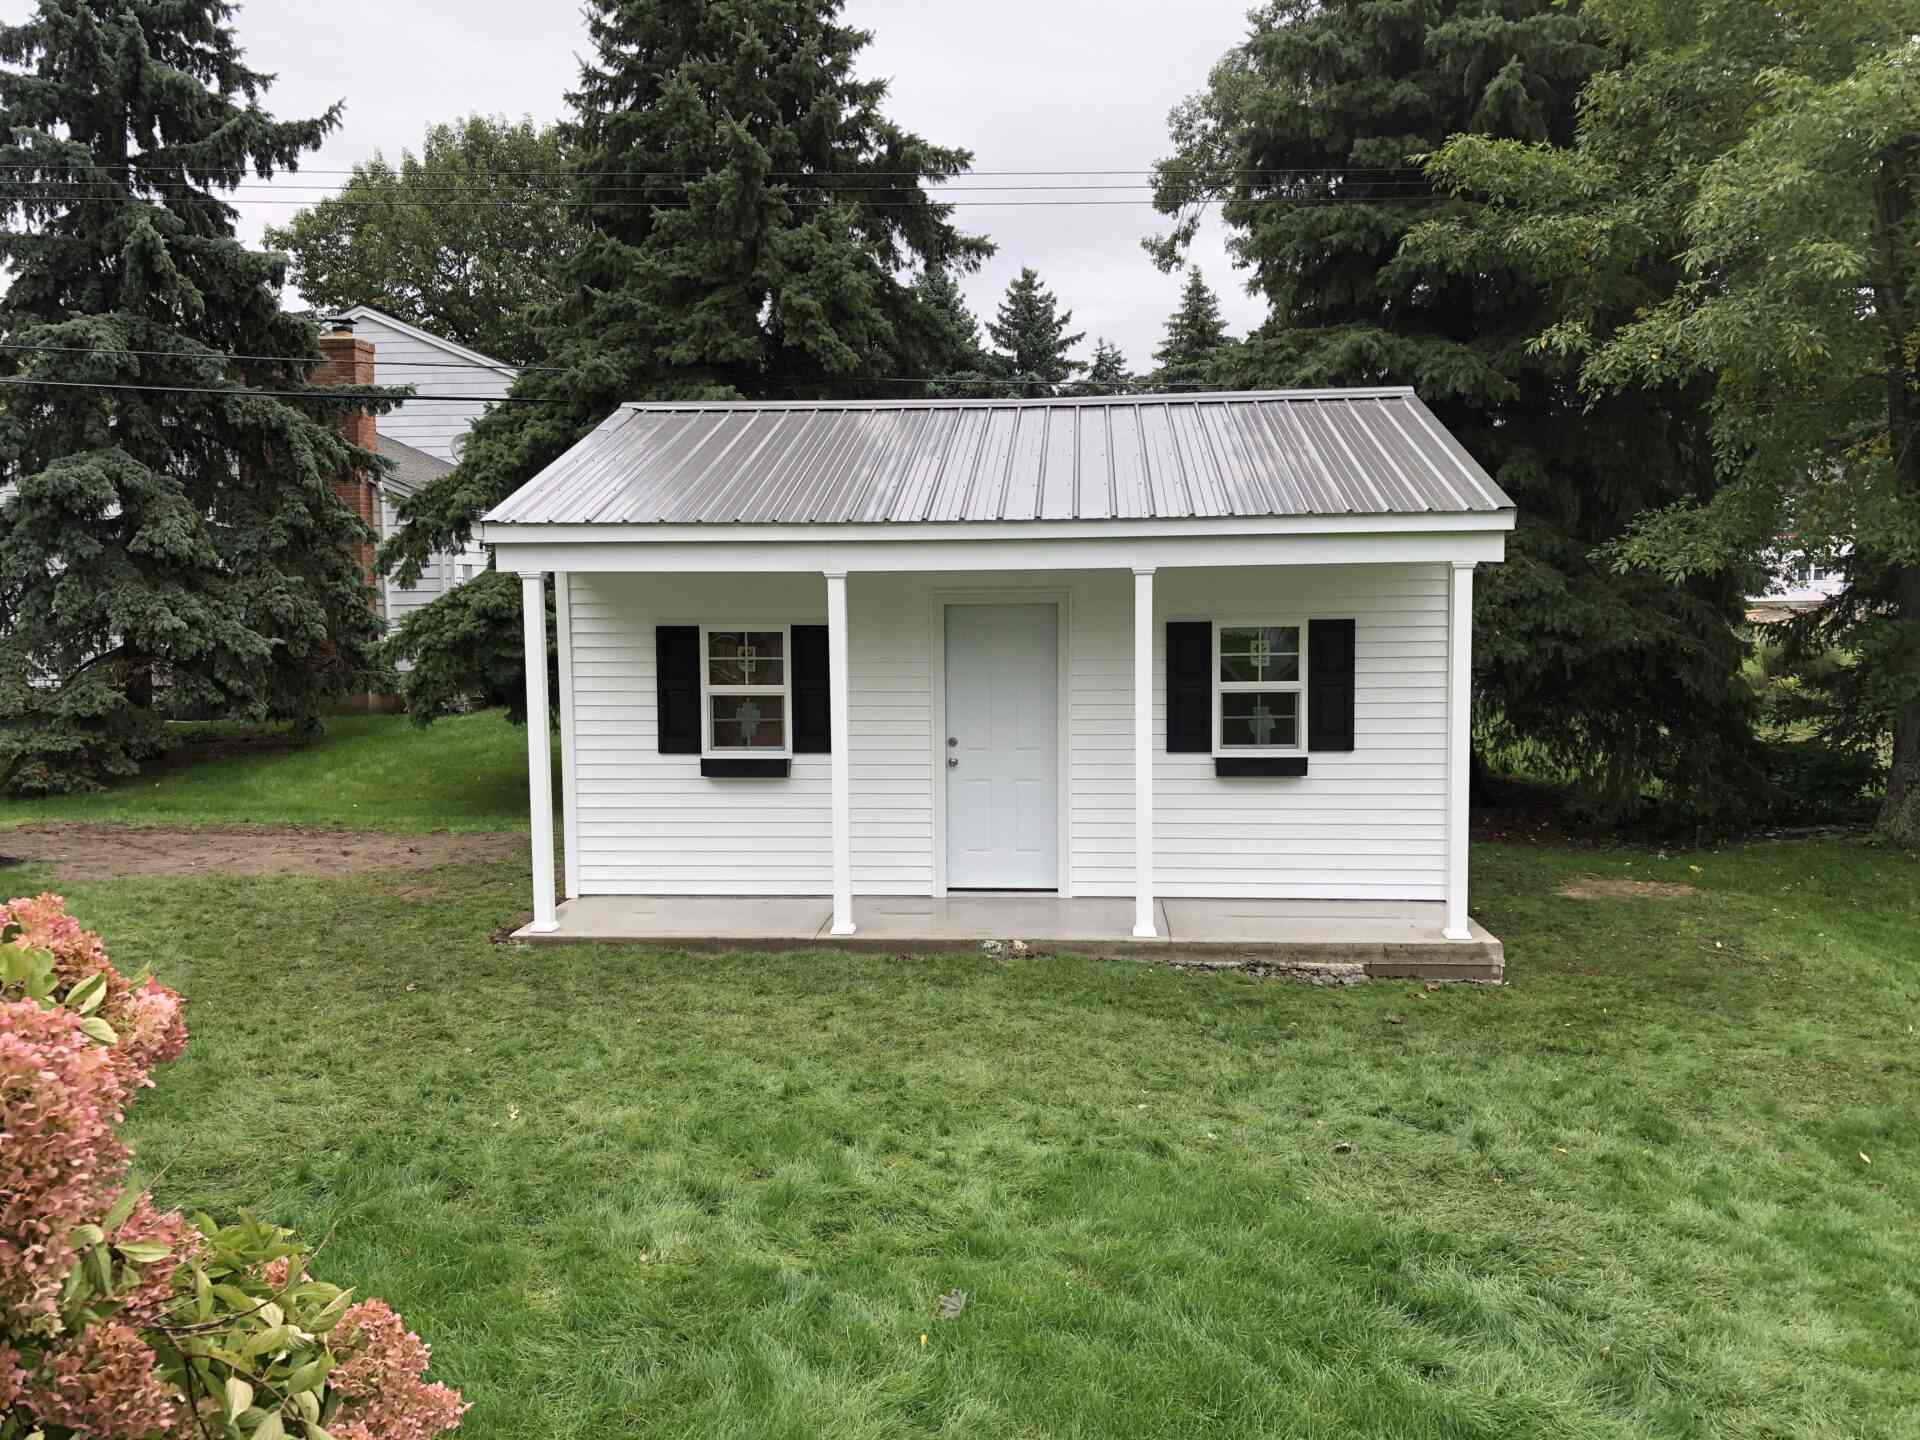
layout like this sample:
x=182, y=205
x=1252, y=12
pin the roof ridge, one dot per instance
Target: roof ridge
x=1025, y=402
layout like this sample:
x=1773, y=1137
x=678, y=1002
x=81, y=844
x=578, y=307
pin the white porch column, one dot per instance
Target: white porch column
x=842, y=762
x=1459, y=743
x=533, y=610
x=1143, y=926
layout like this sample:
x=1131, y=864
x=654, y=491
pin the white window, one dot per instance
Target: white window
x=1259, y=687
x=745, y=680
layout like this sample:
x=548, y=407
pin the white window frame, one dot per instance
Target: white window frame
x=1253, y=687
x=784, y=690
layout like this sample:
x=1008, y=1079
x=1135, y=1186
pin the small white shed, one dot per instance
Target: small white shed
x=1159, y=669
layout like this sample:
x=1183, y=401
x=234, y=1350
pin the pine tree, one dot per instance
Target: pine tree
x=961, y=367
x=1030, y=330
x=184, y=531
x=777, y=264
x=1195, y=333
x=1309, y=138
x=1108, y=374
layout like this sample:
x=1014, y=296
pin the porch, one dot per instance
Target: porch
x=1373, y=938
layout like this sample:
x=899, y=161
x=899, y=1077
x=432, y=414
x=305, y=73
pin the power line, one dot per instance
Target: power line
x=1298, y=202
x=375, y=397
x=921, y=175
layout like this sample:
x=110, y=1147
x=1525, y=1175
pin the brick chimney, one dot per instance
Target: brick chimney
x=346, y=359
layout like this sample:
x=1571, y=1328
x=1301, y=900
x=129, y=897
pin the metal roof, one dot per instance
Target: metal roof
x=1256, y=453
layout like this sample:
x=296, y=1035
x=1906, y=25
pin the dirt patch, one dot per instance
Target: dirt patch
x=98, y=852
x=1595, y=887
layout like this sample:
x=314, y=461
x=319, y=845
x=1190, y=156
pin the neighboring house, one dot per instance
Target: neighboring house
x=423, y=436
x=1187, y=667
x=1795, y=586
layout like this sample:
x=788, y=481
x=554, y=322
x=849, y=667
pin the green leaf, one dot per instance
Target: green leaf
x=122, y=1207
x=202, y=1296
x=87, y=995
x=330, y=1317
x=271, y=1428
x=309, y=1376
x=86, y=1236
x=265, y=1341
x=314, y=1432
x=239, y=1395
x=96, y=1028
x=143, y=1252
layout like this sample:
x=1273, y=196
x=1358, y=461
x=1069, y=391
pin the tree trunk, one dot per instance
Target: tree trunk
x=1894, y=293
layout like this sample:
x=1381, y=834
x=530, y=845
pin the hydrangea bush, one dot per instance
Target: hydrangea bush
x=120, y=1321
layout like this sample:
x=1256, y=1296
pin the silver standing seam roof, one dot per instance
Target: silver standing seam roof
x=1163, y=457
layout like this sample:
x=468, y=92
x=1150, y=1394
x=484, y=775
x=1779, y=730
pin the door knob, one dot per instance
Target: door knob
x=952, y=740
x=953, y=762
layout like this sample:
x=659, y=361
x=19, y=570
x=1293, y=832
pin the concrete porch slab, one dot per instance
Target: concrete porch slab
x=1322, y=937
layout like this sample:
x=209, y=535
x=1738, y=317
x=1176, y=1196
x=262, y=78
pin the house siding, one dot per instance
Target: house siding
x=1365, y=825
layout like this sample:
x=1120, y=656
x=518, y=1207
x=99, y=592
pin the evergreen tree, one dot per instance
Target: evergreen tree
x=460, y=239
x=1777, y=150
x=184, y=530
x=1195, y=333
x=1108, y=374
x=1030, y=330
x=961, y=366
x=764, y=252
x=1309, y=136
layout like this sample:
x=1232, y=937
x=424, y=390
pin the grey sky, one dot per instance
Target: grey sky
x=1026, y=84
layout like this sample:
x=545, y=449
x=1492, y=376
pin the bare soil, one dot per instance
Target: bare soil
x=78, y=851
x=1596, y=887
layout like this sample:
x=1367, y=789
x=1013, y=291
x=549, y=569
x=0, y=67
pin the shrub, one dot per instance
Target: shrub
x=120, y=1321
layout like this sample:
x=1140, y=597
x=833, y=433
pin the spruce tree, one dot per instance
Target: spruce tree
x=755, y=220
x=1195, y=333
x=182, y=532
x=1031, y=331
x=1309, y=137
x=960, y=365
x=1107, y=374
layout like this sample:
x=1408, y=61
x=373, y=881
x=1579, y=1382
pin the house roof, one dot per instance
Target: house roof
x=1251, y=454
x=425, y=337
x=411, y=468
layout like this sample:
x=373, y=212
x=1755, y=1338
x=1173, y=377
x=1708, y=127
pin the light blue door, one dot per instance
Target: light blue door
x=1002, y=751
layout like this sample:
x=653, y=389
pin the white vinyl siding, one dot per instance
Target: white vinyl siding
x=434, y=426
x=1364, y=825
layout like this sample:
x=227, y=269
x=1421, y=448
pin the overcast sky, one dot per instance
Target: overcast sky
x=1025, y=84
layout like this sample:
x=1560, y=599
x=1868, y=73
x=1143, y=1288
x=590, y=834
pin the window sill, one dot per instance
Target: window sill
x=740, y=767
x=1248, y=766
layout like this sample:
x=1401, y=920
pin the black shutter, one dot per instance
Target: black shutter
x=676, y=678
x=1189, y=687
x=1330, y=685
x=812, y=717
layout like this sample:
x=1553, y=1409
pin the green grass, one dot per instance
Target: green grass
x=367, y=772
x=633, y=1193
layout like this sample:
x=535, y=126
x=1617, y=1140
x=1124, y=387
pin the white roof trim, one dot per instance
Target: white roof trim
x=473, y=357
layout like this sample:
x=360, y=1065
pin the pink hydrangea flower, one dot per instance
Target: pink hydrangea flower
x=103, y=1386
x=147, y=1302
x=380, y=1374
x=60, y=1161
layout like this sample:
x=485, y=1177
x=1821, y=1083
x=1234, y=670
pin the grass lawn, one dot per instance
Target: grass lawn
x=637, y=1193
x=367, y=772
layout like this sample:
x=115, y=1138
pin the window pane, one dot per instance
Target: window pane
x=749, y=722
x=746, y=657
x=1259, y=718
x=1260, y=653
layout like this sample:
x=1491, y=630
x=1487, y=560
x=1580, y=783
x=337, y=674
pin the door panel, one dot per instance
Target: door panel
x=1002, y=707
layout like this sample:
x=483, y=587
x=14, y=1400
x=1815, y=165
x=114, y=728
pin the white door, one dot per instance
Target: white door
x=1002, y=747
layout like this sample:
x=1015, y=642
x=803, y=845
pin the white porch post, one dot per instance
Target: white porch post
x=533, y=609
x=838, y=743
x=1143, y=926
x=1459, y=743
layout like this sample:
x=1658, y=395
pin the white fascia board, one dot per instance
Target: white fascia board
x=427, y=337
x=1025, y=532
x=525, y=548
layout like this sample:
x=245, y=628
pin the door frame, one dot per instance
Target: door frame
x=1062, y=602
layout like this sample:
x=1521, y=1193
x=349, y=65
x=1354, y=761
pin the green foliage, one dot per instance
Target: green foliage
x=1195, y=334
x=1107, y=374
x=185, y=537
x=1308, y=139
x=1776, y=152
x=1031, y=330
x=460, y=239
x=776, y=265
x=467, y=649
x=960, y=365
